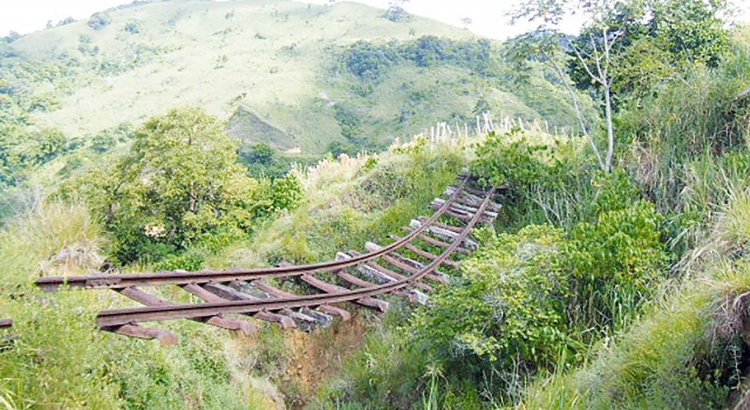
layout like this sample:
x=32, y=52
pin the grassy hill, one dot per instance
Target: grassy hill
x=280, y=60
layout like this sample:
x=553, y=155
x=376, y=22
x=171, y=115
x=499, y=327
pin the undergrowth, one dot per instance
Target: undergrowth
x=352, y=200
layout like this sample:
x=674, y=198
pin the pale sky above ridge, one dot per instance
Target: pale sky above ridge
x=488, y=16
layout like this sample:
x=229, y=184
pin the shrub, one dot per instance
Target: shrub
x=505, y=160
x=99, y=20
x=286, y=192
x=133, y=26
x=180, y=182
x=546, y=181
x=615, y=263
x=102, y=143
x=507, y=306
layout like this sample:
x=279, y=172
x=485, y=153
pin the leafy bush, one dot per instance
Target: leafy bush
x=286, y=193
x=133, y=26
x=66, y=21
x=616, y=262
x=262, y=161
x=189, y=261
x=546, y=182
x=507, y=306
x=348, y=121
x=524, y=298
x=180, y=182
x=99, y=20
x=504, y=160
x=102, y=143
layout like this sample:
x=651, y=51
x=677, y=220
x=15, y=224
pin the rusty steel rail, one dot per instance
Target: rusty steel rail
x=382, y=270
x=112, y=319
x=117, y=281
x=5, y=323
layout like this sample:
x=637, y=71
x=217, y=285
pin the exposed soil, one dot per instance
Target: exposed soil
x=318, y=356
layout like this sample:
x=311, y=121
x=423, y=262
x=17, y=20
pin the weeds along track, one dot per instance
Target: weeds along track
x=407, y=267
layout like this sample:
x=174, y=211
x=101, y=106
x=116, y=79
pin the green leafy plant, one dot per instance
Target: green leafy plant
x=508, y=304
x=180, y=182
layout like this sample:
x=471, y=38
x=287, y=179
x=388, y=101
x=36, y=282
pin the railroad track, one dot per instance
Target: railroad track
x=406, y=267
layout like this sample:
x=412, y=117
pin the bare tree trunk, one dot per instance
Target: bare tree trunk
x=610, y=129
x=604, y=73
x=579, y=114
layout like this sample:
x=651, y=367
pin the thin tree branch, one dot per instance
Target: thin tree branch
x=583, y=61
x=579, y=114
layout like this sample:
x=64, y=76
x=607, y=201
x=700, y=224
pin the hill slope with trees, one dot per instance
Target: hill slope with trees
x=302, y=69
x=616, y=275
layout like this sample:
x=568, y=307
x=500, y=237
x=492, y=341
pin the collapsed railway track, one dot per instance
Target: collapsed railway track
x=406, y=267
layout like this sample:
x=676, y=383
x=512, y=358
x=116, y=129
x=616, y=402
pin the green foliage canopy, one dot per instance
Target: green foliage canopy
x=508, y=304
x=369, y=61
x=526, y=299
x=180, y=184
x=656, y=41
x=99, y=20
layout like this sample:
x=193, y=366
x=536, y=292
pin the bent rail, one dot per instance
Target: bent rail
x=51, y=284
x=249, y=294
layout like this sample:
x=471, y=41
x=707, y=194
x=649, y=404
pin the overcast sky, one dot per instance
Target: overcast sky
x=488, y=16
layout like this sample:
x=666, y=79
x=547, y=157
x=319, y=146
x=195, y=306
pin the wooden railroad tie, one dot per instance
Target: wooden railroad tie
x=409, y=267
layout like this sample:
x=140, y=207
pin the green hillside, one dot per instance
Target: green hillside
x=202, y=135
x=280, y=60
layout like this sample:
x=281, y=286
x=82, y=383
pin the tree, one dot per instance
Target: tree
x=180, y=184
x=368, y=61
x=659, y=41
x=66, y=21
x=11, y=37
x=99, y=20
x=133, y=27
x=548, y=42
x=481, y=107
x=624, y=47
x=395, y=12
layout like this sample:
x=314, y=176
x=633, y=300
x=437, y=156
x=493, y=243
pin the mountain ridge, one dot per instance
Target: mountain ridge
x=128, y=64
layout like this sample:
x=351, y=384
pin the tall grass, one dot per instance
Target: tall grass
x=352, y=200
x=686, y=351
x=53, y=357
x=680, y=137
x=656, y=364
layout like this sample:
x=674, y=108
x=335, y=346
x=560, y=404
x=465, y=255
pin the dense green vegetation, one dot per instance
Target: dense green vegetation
x=617, y=286
x=55, y=358
x=180, y=185
x=599, y=290
x=586, y=254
